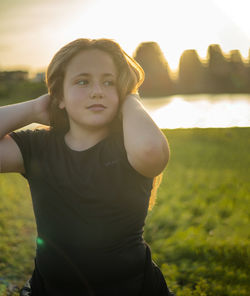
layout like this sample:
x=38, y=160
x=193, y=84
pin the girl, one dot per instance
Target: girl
x=91, y=173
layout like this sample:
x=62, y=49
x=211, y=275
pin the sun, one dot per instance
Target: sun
x=175, y=25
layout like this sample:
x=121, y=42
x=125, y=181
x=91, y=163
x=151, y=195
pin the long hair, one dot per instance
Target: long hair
x=130, y=77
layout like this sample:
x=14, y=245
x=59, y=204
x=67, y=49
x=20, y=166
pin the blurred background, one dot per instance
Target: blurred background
x=196, y=58
x=187, y=48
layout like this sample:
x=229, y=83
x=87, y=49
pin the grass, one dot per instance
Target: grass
x=198, y=230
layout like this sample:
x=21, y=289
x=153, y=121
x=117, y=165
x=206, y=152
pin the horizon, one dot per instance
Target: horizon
x=204, y=60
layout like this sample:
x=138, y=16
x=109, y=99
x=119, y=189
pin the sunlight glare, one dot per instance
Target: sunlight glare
x=180, y=113
x=172, y=24
x=40, y=29
x=237, y=12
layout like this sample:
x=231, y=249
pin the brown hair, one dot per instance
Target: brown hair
x=130, y=77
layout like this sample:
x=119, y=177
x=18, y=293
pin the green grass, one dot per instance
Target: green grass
x=198, y=230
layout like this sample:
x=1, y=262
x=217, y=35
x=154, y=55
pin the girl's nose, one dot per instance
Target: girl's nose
x=97, y=91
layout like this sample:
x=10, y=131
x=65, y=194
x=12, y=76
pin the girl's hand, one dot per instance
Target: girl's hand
x=41, y=109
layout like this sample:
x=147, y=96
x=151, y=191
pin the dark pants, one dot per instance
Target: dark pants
x=153, y=282
x=150, y=283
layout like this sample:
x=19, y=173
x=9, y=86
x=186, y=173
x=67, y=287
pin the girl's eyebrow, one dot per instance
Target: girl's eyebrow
x=88, y=74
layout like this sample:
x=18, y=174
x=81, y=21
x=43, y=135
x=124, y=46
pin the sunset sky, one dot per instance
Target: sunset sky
x=32, y=31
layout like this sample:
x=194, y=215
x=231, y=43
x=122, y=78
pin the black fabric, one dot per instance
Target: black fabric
x=90, y=208
x=153, y=281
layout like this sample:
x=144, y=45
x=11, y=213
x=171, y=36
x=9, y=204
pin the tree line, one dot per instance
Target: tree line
x=219, y=73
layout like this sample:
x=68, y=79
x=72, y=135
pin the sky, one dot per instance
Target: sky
x=33, y=31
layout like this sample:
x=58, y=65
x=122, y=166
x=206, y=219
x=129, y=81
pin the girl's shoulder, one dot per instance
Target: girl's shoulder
x=32, y=137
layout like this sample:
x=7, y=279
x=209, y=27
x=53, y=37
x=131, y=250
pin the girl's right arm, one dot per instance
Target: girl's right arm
x=13, y=117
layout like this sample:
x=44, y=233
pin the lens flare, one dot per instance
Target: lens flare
x=40, y=241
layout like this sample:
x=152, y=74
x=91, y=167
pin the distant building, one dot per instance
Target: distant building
x=40, y=77
x=13, y=76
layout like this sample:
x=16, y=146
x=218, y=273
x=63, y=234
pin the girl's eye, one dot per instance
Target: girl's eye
x=82, y=82
x=109, y=83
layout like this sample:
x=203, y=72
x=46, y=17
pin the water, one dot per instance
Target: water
x=203, y=110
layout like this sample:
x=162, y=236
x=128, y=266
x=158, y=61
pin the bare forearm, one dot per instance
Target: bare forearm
x=16, y=116
x=142, y=137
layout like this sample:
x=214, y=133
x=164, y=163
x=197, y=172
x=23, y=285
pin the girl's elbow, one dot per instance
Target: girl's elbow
x=162, y=160
x=157, y=159
x=160, y=152
x=151, y=159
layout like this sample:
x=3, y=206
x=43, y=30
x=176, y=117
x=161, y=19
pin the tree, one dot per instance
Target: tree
x=192, y=73
x=218, y=69
x=157, y=78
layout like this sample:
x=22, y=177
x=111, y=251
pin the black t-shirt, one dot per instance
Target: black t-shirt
x=90, y=208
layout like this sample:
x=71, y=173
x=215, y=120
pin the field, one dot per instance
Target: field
x=198, y=230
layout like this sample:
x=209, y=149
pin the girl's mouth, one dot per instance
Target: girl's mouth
x=96, y=107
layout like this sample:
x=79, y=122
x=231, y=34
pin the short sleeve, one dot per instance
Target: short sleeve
x=30, y=143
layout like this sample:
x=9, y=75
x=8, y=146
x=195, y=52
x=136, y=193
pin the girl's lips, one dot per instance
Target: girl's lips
x=96, y=107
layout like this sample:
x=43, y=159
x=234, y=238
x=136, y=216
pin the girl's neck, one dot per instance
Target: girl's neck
x=80, y=140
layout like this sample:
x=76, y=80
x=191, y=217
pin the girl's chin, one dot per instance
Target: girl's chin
x=96, y=124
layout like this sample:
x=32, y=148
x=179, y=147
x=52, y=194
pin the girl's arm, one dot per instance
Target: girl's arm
x=13, y=117
x=147, y=147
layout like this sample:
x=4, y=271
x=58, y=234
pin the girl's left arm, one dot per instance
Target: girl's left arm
x=147, y=147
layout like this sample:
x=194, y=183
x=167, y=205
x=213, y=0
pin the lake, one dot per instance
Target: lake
x=202, y=110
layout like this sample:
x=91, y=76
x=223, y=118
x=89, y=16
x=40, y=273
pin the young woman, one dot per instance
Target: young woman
x=92, y=172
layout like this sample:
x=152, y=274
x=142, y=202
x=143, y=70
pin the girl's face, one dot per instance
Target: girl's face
x=90, y=96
